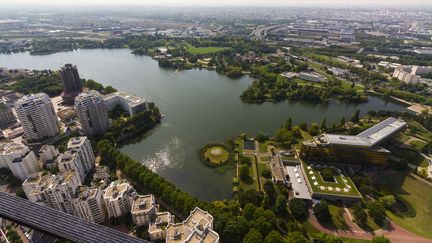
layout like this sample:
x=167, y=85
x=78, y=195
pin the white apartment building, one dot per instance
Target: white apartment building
x=198, y=227
x=83, y=147
x=405, y=74
x=88, y=204
x=37, y=116
x=143, y=209
x=55, y=191
x=92, y=113
x=129, y=103
x=48, y=155
x=157, y=227
x=117, y=198
x=19, y=159
x=310, y=77
x=70, y=161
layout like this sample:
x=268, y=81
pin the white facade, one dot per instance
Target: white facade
x=143, y=209
x=48, y=155
x=156, y=230
x=37, y=116
x=83, y=147
x=116, y=198
x=410, y=74
x=19, y=159
x=70, y=161
x=129, y=103
x=92, y=113
x=88, y=204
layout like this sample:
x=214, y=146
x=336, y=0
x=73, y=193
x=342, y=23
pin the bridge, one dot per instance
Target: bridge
x=62, y=225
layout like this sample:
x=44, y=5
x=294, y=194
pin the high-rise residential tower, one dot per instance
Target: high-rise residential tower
x=71, y=82
x=37, y=116
x=92, y=113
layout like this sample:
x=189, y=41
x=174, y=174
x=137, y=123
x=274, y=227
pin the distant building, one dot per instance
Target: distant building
x=6, y=114
x=310, y=77
x=361, y=149
x=157, y=227
x=88, y=204
x=198, y=227
x=117, y=198
x=48, y=155
x=92, y=113
x=83, y=147
x=406, y=74
x=129, y=103
x=19, y=159
x=37, y=116
x=143, y=209
x=71, y=82
x=350, y=61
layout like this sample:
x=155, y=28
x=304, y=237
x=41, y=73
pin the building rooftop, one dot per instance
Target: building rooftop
x=162, y=220
x=132, y=99
x=76, y=142
x=142, y=204
x=199, y=218
x=116, y=189
x=177, y=233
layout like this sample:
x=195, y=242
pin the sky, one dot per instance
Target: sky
x=219, y=2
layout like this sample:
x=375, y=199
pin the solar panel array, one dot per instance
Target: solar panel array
x=57, y=223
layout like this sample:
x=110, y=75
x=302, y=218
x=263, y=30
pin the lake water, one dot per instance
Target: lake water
x=200, y=106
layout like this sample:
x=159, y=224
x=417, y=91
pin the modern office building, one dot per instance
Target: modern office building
x=37, y=116
x=19, y=159
x=157, y=227
x=117, y=198
x=143, y=209
x=362, y=149
x=71, y=82
x=6, y=115
x=70, y=161
x=92, y=113
x=83, y=147
x=310, y=77
x=88, y=204
x=198, y=227
x=129, y=103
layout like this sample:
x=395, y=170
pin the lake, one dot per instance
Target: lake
x=201, y=106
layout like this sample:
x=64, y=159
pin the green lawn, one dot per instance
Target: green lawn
x=421, y=131
x=337, y=217
x=339, y=183
x=263, y=147
x=265, y=158
x=306, y=135
x=418, y=144
x=240, y=143
x=204, y=50
x=416, y=193
x=216, y=154
x=252, y=185
x=411, y=156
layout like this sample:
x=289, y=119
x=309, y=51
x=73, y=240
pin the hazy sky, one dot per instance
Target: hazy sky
x=218, y=2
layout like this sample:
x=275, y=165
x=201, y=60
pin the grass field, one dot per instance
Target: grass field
x=253, y=183
x=263, y=147
x=416, y=193
x=411, y=156
x=204, y=50
x=265, y=158
x=216, y=154
x=337, y=217
x=421, y=131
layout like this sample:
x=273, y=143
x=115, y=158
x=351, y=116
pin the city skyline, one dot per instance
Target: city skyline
x=168, y=3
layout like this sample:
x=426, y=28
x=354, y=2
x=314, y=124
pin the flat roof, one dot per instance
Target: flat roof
x=298, y=182
x=143, y=203
x=57, y=223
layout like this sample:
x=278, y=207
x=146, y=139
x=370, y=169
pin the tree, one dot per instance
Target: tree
x=235, y=229
x=388, y=201
x=303, y=126
x=342, y=122
x=296, y=132
x=321, y=211
x=327, y=174
x=298, y=208
x=360, y=215
x=263, y=225
x=380, y=239
x=20, y=193
x=248, y=211
x=288, y=124
x=356, y=116
x=253, y=236
x=274, y=237
x=296, y=237
x=313, y=129
x=377, y=212
x=284, y=137
x=280, y=204
x=323, y=126
x=244, y=172
x=262, y=137
x=270, y=190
